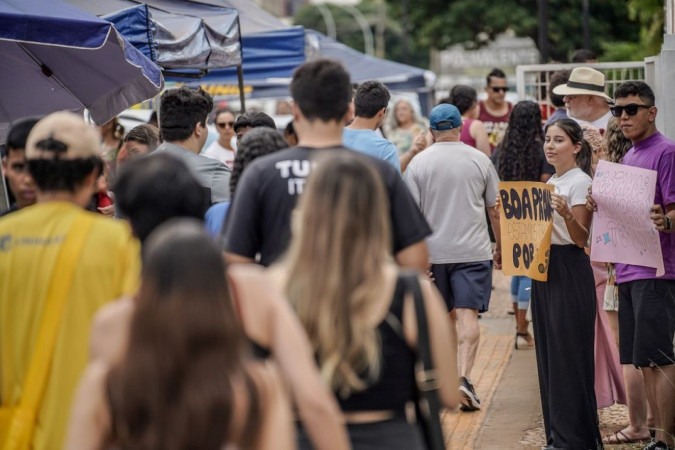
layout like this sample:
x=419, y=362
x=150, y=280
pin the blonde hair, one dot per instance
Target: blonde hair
x=335, y=267
x=391, y=122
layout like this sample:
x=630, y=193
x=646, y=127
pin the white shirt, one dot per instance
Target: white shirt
x=600, y=123
x=220, y=153
x=573, y=185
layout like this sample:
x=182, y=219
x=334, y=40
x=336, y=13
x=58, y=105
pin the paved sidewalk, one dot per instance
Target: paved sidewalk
x=506, y=382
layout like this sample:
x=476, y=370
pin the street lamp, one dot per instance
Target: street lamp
x=362, y=22
x=327, y=19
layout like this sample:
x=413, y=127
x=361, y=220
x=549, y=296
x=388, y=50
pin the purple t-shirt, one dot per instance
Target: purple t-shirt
x=657, y=152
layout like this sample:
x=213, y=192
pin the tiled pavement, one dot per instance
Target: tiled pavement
x=461, y=429
x=495, y=358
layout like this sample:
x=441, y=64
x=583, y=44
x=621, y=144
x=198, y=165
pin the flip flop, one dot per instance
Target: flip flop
x=619, y=437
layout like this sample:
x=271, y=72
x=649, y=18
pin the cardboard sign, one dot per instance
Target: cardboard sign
x=622, y=230
x=526, y=222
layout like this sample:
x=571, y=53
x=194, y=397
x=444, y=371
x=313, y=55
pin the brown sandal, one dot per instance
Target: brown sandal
x=619, y=438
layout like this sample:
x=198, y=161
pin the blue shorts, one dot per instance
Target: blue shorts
x=464, y=285
x=521, y=287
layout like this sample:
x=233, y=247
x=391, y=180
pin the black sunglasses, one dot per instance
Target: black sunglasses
x=631, y=110
x=222, y=124
x=497, y=89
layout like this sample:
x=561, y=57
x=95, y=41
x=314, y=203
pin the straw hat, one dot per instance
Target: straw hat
x=584, y=81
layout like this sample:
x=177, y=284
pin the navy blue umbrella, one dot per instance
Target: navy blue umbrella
x=55, y=57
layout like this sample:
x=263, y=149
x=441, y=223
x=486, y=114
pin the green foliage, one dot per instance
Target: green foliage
x=651, y=15
x=619, y=29
x=349, y=32
x=473, y=23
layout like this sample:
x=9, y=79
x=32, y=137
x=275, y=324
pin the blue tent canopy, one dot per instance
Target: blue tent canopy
x=252, y=18
x=176, y=34
x=361, y=67
x=270, y=55
x=271, y=49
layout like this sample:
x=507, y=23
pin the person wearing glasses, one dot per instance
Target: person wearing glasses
x=647, y=303
x=222, y=149
x=495, y=110
x=585, y=98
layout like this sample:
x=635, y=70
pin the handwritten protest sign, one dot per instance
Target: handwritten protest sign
x=622, y=230
x=526, y=219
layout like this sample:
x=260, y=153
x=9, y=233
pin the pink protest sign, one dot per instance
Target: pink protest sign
x=622, y=230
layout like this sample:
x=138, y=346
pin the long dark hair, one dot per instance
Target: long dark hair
x=463, y=97
x=520, y=152
x=576, y=134
x=174, y=387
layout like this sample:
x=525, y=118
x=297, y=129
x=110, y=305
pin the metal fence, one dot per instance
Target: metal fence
x=532, y=81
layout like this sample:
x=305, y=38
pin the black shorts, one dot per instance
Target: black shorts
x=647, y=322
x=464, y=285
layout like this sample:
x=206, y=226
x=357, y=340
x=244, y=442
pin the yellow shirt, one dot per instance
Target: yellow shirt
x=108, y=268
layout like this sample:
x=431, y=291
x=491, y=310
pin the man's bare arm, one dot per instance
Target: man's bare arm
x=415, y=256
x=233, y=258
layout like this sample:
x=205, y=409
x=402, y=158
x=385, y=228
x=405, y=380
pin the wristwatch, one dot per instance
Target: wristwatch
x=669, y=223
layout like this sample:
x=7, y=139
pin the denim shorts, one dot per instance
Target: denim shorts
x=521, y=287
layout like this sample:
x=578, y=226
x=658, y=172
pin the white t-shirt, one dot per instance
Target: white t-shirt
x=573, y=185
x=220, y=153
x=600, y=123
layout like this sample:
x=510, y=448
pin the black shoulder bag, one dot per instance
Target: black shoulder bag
x=427, y=404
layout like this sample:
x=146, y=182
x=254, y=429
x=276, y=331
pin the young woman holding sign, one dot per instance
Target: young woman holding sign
x=564, y=307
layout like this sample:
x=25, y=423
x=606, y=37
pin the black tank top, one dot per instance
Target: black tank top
x=396, y=383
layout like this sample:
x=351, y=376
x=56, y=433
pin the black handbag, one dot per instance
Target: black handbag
x=427, y=403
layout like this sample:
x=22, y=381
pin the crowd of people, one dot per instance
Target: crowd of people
x=270, y=290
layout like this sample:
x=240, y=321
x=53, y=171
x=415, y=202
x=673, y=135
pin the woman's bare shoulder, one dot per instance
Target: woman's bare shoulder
x=113, y=312
x=260, y=284
x=110, y=328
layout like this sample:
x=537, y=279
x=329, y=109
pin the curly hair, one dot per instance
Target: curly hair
x=617, y=145
x=594, y=138
x=256, y=143
x=519, y=153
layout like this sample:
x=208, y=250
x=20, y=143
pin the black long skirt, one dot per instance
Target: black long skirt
x=563, y=316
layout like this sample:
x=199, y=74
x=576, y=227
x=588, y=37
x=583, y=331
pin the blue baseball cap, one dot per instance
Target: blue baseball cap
x=445, y=117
